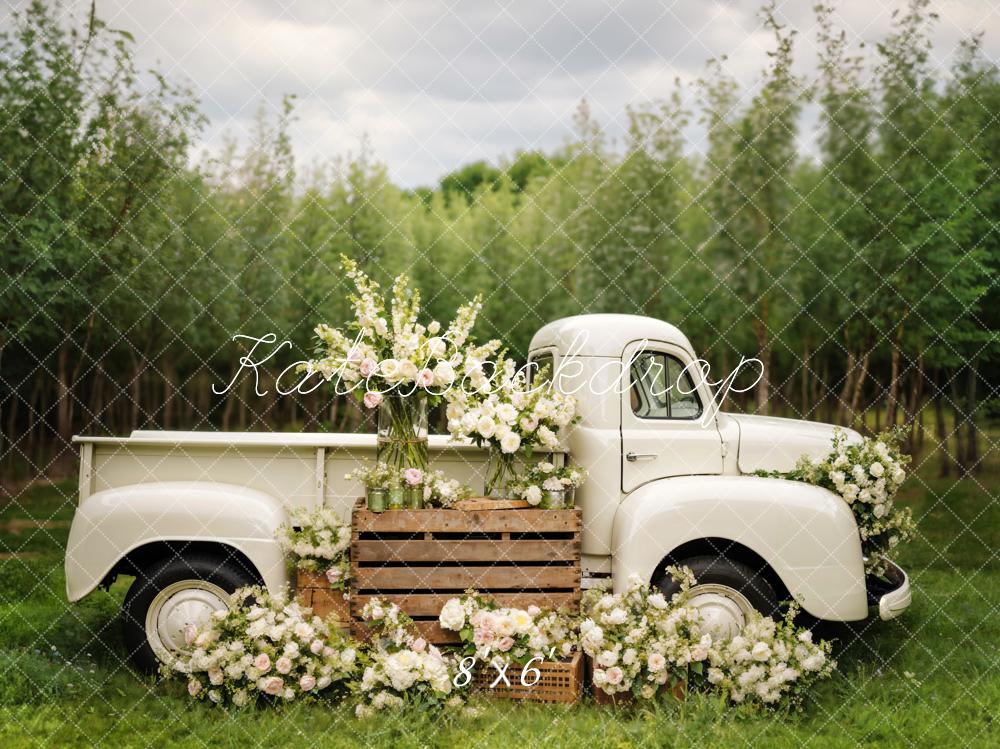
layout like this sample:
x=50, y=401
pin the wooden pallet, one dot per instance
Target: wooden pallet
x=558, y=681
x=418, y=559
x=313, y=590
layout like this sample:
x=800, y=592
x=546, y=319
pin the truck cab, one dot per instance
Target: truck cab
x=672, y=481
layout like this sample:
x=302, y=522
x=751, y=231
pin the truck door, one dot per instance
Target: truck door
x=664, y=432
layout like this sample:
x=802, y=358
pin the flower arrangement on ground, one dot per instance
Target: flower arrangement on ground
x=264, y=645
x=317, y=540
x=508, y=414
x=768, y=661
x=544, y=485
x=867, y=474
x=513, y=634
x=400, y=667
x=639, y=640
x=393, y=362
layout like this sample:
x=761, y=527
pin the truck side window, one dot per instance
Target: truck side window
x=661, y=389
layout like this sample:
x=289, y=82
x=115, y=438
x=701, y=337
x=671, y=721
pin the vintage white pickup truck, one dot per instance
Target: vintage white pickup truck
x=193, y=515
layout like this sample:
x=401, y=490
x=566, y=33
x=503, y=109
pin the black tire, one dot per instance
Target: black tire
x=722, y=571
x=228, y=574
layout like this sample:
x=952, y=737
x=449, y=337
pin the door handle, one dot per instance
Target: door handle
x=633, y=457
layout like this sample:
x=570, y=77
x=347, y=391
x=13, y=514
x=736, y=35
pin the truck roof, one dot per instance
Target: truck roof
x=606, y=334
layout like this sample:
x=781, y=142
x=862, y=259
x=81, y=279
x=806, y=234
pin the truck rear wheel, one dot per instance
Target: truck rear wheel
x=726, y=593
x=163, y=602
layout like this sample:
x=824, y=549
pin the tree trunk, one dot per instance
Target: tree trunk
x=971, y=459
x=939, y=429
x=804, y=392
x=845, y=391
x=859, y=383
x=891, y=399
x=959, y=426
x=64, y=427
x=764, y=352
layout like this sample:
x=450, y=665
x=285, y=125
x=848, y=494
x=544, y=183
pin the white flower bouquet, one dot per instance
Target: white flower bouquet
x=867, y=475
x=317, y=540
x=769, y=661
x=639, y=640
x=441, y=491
x=401, y=668
x=543, y=483
x=508, y=414
x=390, y=361
x=264, y=645
x=513, y=634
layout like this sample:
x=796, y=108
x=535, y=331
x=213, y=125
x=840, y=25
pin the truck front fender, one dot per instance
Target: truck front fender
x=111, y=524
x=805, y=533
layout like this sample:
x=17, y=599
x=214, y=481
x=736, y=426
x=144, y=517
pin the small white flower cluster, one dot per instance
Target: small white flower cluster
x=401, y=667
x=441, y=491
x=505, y=412
x=318, y=540
x=378, y=476
x=769, y=661
x=540, y=480
x=377, y=355
x=639, y=640
x=515, y=634
x=867, y=475
x=264, y=644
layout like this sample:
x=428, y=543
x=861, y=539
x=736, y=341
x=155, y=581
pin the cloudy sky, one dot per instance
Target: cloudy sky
x=438, y=84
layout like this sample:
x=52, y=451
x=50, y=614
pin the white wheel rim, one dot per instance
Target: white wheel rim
x=724, y=611
x=177, y=607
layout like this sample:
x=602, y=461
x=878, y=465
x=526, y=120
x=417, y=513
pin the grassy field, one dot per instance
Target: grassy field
x=930, y=678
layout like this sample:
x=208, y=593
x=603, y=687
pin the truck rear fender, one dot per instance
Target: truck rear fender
x=118, y=528
x=806, y=534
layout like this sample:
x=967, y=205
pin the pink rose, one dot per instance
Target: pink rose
x=483, y=636
x=354, y=355
x=413, y=476
x=328, y=652
x=368, y=367
x=274, y=685
x=425, y=378
x=419, y=645
x=306, y=683
x=190, y=633
x=194, y=687
x=614, y=675
x=334, y=574
x=372, y=399
x=505, y=644
x=283, y=665
x=316, y=647
x=262, y=663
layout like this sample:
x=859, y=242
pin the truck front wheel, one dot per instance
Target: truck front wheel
x=164, y=602
x=726, y=593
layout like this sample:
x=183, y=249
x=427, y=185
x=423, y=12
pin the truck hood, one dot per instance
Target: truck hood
x=770, y=443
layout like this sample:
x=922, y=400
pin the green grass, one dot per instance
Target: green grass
x=930, y=678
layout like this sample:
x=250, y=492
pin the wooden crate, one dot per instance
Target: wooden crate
x=418, y=559
x=560, y=681
x=313, y=590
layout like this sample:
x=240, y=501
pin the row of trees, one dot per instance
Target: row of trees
x=864, y=278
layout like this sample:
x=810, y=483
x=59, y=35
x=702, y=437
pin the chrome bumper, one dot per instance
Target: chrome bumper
x=891, y=593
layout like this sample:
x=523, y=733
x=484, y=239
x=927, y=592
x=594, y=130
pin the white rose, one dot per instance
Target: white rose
x=452, y=615
x=486, y=426
x=656, y=662
x=877, y=469
x=533, y=495
x=510, y=442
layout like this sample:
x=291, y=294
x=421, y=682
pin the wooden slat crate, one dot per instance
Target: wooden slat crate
x=559, y=681
x=418, y=559
x=313, y=590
